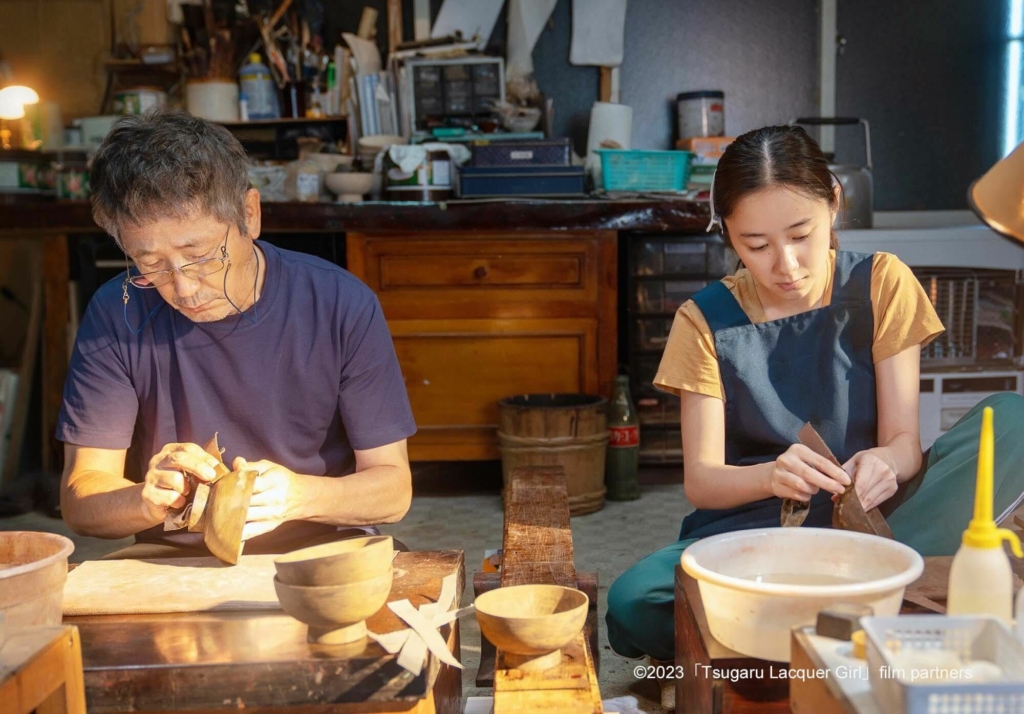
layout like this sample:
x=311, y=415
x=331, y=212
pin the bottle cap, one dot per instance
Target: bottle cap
x=255, y=58
x=982, y=532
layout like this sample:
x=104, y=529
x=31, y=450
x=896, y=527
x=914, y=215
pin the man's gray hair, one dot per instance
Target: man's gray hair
x=167, y=164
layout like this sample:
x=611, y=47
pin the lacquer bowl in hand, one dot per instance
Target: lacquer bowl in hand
x=336, y=614
x=531, y=623
x=338, y=563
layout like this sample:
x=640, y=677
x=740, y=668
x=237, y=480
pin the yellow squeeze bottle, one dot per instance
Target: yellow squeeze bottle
x=980, y=579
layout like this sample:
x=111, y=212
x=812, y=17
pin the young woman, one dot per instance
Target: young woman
x=804, y=333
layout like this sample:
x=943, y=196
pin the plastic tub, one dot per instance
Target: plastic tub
x=33, y=568
x=757, y=585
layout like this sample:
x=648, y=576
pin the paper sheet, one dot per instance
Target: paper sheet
x=598, y=32
x=473, y=18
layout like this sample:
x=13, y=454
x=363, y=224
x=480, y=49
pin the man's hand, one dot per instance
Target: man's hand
x=165, y=485
x=874, y=472
x=277, y=496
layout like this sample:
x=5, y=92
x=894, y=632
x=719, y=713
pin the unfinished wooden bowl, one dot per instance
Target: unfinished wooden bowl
x=225, y=514
x=338, y=563
x=531, y=623
x=336, y=614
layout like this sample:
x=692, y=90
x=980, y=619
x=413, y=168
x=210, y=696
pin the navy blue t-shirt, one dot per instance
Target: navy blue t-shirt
x=315, y=377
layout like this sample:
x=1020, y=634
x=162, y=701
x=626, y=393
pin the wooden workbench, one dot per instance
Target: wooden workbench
x=223, y=661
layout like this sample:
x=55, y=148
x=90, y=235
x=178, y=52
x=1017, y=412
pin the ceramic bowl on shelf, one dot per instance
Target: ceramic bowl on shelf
x=348, y=184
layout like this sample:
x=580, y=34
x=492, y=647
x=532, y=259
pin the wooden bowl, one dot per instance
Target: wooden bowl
x=336, y=614
x=531, y=623
x=338, y=563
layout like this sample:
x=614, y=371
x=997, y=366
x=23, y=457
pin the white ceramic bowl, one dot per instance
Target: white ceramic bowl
x=330, y=162
x=376, y=142
x=757, y=585
x=351, y=182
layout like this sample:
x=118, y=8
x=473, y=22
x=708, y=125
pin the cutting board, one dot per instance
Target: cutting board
x=119, y=587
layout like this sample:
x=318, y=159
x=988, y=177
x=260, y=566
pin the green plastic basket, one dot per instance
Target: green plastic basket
x=642, y=170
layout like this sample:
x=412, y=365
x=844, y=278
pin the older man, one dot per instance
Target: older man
x=287, y=356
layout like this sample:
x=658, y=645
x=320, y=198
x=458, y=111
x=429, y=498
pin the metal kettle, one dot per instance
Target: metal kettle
x=858, y=186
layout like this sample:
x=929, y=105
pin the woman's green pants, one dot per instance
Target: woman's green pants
x=934, y=510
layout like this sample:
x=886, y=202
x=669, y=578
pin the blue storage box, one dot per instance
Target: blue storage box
x=521, y=181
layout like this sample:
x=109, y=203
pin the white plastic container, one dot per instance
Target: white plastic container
x=899, y=689
x=33, y=568
x=700, y=114
x=980, y=578
x=214, y=99
x=757, y=585
x=259, y=89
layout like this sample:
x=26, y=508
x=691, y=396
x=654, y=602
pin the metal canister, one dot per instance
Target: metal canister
x=856, y=206
x=430, y=181
x=139, y=100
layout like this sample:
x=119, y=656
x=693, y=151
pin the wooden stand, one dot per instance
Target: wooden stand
x=41, y=669
x=537, y=548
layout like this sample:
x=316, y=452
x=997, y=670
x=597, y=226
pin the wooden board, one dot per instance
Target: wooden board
x=41, y=669
x=812, y=694
x=170, y=585
x=537, y=548
x=261, y=661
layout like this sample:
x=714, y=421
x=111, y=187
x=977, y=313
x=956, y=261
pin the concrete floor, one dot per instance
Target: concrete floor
x=608, y=542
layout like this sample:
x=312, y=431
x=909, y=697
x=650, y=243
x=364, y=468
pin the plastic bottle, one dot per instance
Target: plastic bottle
x=980, y=579
x=1020, y=616
x=260, y=91
x=622, y=460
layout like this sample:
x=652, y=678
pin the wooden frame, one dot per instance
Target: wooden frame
x=41, y=670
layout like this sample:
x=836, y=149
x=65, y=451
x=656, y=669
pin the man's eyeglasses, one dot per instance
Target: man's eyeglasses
x=196, y=270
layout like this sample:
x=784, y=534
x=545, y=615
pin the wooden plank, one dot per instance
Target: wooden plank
x=41, y=669
x=26, y=377
x=55, y=344
x=537, y=548
x=814, y=695
x=394, y=25
x=605, y=91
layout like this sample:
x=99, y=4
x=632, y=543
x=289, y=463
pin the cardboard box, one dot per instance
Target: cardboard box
x=706, y=147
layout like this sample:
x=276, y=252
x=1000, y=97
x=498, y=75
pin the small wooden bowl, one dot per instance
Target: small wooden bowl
x=338, y=563
x=336, y=614
x=531, y=623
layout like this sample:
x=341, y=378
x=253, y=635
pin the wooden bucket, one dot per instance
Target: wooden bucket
x=567, y=430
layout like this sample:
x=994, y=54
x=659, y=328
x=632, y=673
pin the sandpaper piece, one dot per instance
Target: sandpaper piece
x=794, y=512
x=191, y=514
x=411, y=644
x=848, y=513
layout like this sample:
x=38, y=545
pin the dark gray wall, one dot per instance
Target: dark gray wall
x=929, y=77
x=762, y=53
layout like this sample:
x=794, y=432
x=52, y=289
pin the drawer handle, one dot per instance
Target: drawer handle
x=481, y=272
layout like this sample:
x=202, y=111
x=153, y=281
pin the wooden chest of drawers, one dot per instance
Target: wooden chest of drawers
x=477, y=317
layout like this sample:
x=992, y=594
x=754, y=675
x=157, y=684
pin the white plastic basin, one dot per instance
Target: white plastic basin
x=33, y=568
x=757, y=585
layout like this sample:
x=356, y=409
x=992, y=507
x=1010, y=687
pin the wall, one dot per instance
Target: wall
x=762, y=53
x=932, y=86
x=57, y=48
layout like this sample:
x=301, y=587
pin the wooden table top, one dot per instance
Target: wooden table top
x=251, y=659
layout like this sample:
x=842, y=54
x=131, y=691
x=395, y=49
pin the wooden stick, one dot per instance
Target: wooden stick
x=279, y=13
x=368, y=24
x=394, y=25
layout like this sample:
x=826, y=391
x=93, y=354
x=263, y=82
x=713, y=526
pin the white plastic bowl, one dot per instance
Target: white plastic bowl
x=33, y=568
x=755, y=618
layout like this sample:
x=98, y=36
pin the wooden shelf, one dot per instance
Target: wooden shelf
x=282, y=122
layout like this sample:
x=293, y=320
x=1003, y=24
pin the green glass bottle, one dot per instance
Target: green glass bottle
x=623, y=458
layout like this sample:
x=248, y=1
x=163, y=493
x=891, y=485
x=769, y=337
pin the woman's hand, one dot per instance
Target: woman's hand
x=875, y=474
x=165, y=485
x=799, y=473
x=277, y=497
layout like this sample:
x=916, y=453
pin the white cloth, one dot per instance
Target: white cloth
x=526, y=20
